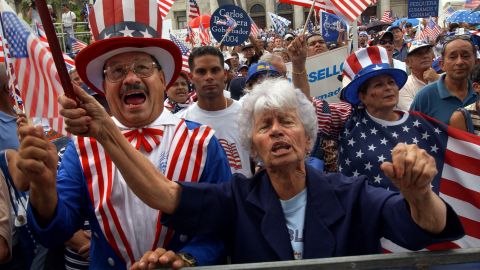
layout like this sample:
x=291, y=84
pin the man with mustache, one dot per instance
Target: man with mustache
x=453, y=89
x=132, y=66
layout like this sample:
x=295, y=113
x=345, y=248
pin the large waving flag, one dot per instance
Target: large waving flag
x=457, y=154
x=280, y=24
x=349, y=10
x=35, y=71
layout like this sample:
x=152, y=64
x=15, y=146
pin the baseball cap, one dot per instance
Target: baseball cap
x=261, y=68
x=417, y=45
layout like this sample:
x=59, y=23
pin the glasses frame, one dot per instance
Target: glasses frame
x=130, y=67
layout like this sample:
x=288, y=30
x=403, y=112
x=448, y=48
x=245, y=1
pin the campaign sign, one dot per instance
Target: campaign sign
x=422, y=8
x=322, y=72
x=230, y=25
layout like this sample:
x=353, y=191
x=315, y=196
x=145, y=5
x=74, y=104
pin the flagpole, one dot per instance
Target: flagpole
x=55, y=48
x=308, y=17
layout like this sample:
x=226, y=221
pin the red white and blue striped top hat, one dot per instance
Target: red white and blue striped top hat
x=365, y=64
x=120, y=26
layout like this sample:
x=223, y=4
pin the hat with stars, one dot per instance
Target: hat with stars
x=365, y=64
x=120, y=26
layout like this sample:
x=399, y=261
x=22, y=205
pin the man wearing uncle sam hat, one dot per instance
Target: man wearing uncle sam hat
x=132, y=66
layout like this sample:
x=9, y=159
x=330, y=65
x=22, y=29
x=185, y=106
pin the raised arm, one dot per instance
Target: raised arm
x=297, y=50
x=90, y=119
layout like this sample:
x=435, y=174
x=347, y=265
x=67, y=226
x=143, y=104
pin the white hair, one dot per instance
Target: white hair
x=278, y=95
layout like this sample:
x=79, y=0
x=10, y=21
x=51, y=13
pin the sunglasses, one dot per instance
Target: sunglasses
x=384, y=42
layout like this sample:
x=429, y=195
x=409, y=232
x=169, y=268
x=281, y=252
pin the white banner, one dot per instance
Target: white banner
x=322, y=72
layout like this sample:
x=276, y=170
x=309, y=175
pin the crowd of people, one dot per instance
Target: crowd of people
x=231, y=162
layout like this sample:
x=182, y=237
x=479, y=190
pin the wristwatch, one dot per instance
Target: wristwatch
x=188, y=258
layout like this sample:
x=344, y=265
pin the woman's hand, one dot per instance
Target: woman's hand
x=412, y=170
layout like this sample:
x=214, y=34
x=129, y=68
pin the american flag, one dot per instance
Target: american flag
x=35, y=70
x=431, y=31
x=185, y=52
x=164, y=6
x=2, y=52
x=472, y=4
x=204, y=35
x=253, y=28
x=77, y=45
x=16, y=100
x=38, y=30
x=449, y=11
x=191, y=36
x=349, y=10
x=193, y=9
x=387, y=16
x=365, y=144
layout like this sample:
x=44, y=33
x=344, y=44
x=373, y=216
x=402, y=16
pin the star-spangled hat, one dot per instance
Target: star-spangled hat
x=365, y=64
x=120, y=26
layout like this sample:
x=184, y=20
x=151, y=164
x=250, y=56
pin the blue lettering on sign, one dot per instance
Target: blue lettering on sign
x=330, y=94
x=324, y=73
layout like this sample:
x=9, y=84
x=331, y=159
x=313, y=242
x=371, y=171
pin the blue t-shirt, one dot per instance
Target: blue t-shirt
x=436, y=101
x=294, y=211
x=8, y=132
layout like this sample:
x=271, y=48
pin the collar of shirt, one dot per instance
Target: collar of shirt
x=7, y=117
x=445, y=93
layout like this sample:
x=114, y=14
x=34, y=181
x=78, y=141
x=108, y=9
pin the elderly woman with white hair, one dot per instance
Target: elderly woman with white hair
x=288, y=210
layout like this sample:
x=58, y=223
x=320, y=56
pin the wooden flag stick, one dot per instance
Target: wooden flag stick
x=55, y=48
x=308, y=17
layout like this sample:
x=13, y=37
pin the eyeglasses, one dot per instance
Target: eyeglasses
x=142, y=68
x=384, y=42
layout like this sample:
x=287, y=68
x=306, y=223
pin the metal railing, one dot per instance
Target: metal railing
x=449, y=259
x=80, y=29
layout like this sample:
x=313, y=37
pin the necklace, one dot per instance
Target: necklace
x=226, y=103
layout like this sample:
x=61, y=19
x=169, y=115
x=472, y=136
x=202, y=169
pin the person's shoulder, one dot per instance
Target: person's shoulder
x=427, y=90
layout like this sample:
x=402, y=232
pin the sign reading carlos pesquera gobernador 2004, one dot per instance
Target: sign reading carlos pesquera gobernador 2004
x=230, y=25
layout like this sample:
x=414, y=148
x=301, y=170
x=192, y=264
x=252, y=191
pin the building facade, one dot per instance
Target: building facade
x=257, y=9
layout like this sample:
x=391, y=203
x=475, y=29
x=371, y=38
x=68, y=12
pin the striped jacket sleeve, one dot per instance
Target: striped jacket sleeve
x=331, y=117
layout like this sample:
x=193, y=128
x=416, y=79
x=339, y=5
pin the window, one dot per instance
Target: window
x=181, y=17
x=257, y=8
x=284, y=7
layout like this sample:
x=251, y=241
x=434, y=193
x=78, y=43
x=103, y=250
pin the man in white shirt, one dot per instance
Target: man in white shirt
x=213, y=108
x=419, y=60
x=68, y=18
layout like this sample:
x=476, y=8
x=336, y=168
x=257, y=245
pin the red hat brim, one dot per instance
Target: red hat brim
x=90, y=62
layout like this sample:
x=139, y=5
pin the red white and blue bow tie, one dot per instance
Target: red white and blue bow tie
x=146, y=137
